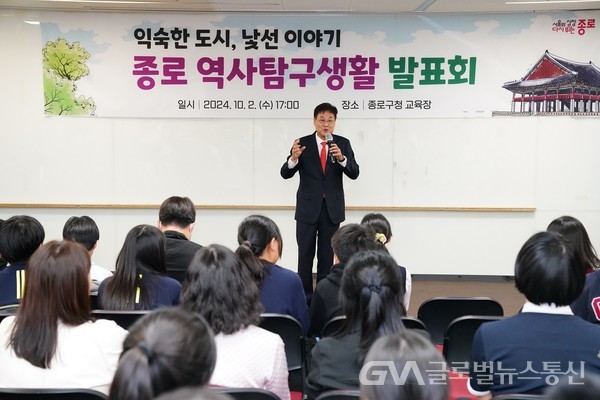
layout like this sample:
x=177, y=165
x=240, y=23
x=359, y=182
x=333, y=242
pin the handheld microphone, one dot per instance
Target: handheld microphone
x=329, y=139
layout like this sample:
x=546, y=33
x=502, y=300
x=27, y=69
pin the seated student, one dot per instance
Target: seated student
x=325, y=304
x=511, y=355
x=587, y=305
x=83, y=230
x=383, y=235
x=573, y=230
x=140, y=281
x=20, y=237
x=372, y=296
x=280, y=289
x=53, y=341
x=164, y=350
x=176, y=219
x=220, y=289
x=3, y=262
x=419, y=366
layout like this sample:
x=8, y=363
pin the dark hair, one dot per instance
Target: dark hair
x=325, y=107
x=20, y=236
x=219, y=288
x=576, y=387
x=380, y=225
x=82, y=230
x=164, y=350
x=548, y=270
x=179, y=211
x=573, y=230
x=407, y=350
x=352, y=238
x=56, y=289
x=143, y=252
x=255, y=233
x=371, y=295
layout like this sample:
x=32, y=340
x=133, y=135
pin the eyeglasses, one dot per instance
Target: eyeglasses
x=326, y=121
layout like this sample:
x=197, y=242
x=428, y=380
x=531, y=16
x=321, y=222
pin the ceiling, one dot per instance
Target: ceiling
x=303, y=6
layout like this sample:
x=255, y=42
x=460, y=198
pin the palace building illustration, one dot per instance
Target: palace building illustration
x=555, y=85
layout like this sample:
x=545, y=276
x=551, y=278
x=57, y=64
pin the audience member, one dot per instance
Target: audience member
x=280, y=289
x=164, y=350
x=3, y=262
x=176, y=219
x=53, y=341
x=325, y=304
x=83, y=230
x=383, y=235
x=545, y=332
x=573, y=230
x=219, y=288
x=140, y=281
x=372, y=295
x=20, y=237
x=415, y=369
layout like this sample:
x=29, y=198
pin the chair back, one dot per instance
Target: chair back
x=413, y=323
x=459, y=338
x=123, y=318
x=51, y=394
x=437, y=312
x=333, y=326
x=340, y=394
x=247, y=393
x=292, y=334
x=519, y=397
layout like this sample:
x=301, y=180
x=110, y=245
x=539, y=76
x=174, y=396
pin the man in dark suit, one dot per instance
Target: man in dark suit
x=176, y=219
x=320, y=205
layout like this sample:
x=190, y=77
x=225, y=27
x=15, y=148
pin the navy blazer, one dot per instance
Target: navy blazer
x=315, y=185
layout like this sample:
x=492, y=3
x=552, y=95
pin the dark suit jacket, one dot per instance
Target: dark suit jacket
x=314, y=183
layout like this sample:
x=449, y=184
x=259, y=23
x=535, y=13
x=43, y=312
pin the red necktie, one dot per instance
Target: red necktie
x=323, y=155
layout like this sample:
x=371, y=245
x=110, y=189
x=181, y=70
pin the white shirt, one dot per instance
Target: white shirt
x=252, y=357
x=86, y=357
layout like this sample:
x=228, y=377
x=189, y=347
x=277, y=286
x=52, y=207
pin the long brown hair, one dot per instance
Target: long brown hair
x=56, y=289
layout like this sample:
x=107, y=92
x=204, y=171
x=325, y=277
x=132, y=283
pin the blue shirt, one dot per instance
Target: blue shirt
x=12, y=286
x=281, y=292
x=163, y=291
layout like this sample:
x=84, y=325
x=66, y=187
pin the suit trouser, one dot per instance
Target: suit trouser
x=309, y=235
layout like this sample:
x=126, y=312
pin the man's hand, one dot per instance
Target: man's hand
x=296, y=150
x=336, y=152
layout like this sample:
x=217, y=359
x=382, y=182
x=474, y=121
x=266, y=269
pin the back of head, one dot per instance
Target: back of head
x=178, y=211
x=381, y=226
x=352, y=238
x=255, y=233
x=548, y=271
x=573, y=230
x=143, y=253
x=194, y=393
x=406, y=366
x=371, y=296
x=20, y=236
x=82, y=230
x=325, y=107
x=164, y=350
x=221, y=290
x=56, y=289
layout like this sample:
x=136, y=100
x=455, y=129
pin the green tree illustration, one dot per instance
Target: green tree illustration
x=64, y=64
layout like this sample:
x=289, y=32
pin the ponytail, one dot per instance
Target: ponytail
x=133, y=378
x=247, y=255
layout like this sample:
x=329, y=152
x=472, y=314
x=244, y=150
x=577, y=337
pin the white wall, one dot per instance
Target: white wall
x=547, y=163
